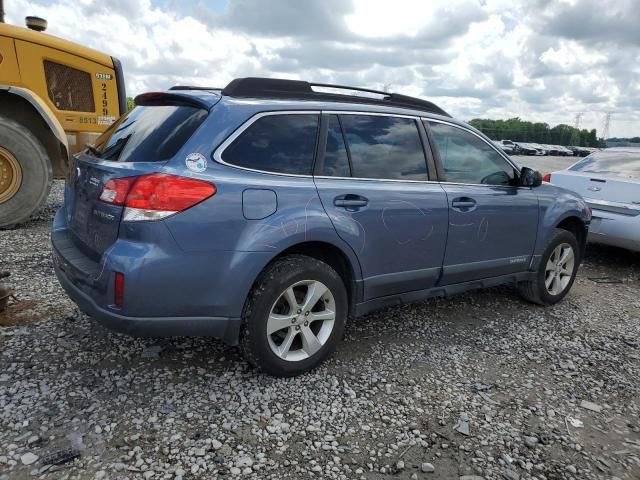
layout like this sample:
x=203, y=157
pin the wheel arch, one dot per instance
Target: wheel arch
x=28, y=109
x=333, y=256
x=577, y=227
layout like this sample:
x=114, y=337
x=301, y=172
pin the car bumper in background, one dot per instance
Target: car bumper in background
x=609, y=228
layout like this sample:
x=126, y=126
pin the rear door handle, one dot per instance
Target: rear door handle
x=463, y=204
x=350, y=201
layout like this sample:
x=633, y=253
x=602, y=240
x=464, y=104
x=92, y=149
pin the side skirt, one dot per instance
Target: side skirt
x=441, y=291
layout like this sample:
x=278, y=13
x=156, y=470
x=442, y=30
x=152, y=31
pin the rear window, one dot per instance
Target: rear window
x=276, y=143
x=615, y=163
x=148, y=133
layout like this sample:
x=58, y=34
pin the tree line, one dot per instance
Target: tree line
x=536, y=132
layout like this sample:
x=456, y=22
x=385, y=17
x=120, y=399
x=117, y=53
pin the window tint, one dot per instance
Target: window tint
x=618, y=163
x=276, y=143
x=148, y=134
x=336, y=161
x=384, y=147
x=467, y=159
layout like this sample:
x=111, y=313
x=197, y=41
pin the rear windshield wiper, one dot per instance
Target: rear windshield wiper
x=93, y=150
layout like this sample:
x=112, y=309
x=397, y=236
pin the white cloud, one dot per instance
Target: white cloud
x=540, y=60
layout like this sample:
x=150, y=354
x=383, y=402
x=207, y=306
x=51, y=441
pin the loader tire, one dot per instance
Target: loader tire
x=25, y=173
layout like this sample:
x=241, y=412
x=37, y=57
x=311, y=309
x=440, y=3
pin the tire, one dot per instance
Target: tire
x=269, y=306
x=537, y=291
x=21, y=145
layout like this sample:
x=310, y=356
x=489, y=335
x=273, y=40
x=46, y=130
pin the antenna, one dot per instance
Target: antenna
x=578, y=119
x=607, y=122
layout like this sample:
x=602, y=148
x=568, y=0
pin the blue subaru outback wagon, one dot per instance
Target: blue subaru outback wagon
x=269, y=212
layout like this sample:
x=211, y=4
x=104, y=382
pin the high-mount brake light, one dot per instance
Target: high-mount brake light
x=155, y=196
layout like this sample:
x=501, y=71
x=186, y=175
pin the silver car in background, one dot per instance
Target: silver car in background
x=609, y=181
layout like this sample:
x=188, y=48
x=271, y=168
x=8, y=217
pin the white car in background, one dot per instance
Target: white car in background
x=506, y=148
x=609, y=181
x=541, y=150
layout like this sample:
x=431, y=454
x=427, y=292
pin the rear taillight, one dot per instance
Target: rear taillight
x=155, y=196
x=546, y=178
x=118, y=289
x=115, y=191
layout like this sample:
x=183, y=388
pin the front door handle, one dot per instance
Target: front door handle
x=350, y=201
x=463, y=204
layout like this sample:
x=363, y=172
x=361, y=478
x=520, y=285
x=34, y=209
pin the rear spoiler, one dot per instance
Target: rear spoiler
x=170, y=98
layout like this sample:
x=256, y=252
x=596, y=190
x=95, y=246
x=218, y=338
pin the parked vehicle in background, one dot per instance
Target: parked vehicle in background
x=579, y=151
x=540, y=150
x=508, y=149
x=267, y=213
x=564, y=151
x=509, y=145
x=552, y=150
x=526, y=149
x=609, y=181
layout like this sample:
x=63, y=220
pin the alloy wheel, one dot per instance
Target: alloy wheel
x=559, y=269
x=301, y=320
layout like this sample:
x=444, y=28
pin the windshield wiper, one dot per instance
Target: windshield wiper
x=93, y=150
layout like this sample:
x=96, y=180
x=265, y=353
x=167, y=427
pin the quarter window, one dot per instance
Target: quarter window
x=276, y=143
x=467, y=159
x=384, y=147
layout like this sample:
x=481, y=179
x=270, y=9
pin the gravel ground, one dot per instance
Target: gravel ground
x=482, y=385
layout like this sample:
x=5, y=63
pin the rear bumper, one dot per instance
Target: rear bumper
x=168, y=292
x=225, y=328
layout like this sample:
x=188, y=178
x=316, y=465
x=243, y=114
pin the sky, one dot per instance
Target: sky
x=540, y=60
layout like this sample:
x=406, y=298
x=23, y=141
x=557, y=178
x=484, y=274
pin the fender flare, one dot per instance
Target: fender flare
x=43, y=110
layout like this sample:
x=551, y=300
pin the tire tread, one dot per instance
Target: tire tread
x=270, y=274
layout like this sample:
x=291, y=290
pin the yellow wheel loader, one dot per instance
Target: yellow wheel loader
x=55, y=97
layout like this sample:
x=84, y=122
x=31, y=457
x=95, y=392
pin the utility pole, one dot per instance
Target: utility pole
x=607, y=122
x=577, y=120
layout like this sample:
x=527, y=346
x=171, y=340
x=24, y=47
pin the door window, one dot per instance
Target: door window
x=384, y=147
x=467, y=159
x=276, y=143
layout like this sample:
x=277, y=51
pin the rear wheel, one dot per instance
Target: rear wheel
x=25, y=173
x=295, y=316
x=556, y=271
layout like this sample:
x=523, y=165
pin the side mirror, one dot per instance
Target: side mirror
x=530, y=178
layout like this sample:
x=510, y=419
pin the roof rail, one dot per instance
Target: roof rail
x=255, y=87
x=191, y=87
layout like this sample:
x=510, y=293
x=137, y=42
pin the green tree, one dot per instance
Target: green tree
x=538, y=132
x=130, y=103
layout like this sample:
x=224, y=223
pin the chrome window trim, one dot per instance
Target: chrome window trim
x=372, y=114
x=217, y=154
x=327, y=177
x=500, y=153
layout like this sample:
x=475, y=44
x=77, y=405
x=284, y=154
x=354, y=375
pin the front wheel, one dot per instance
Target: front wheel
x=294, y=317
x=556, y=271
